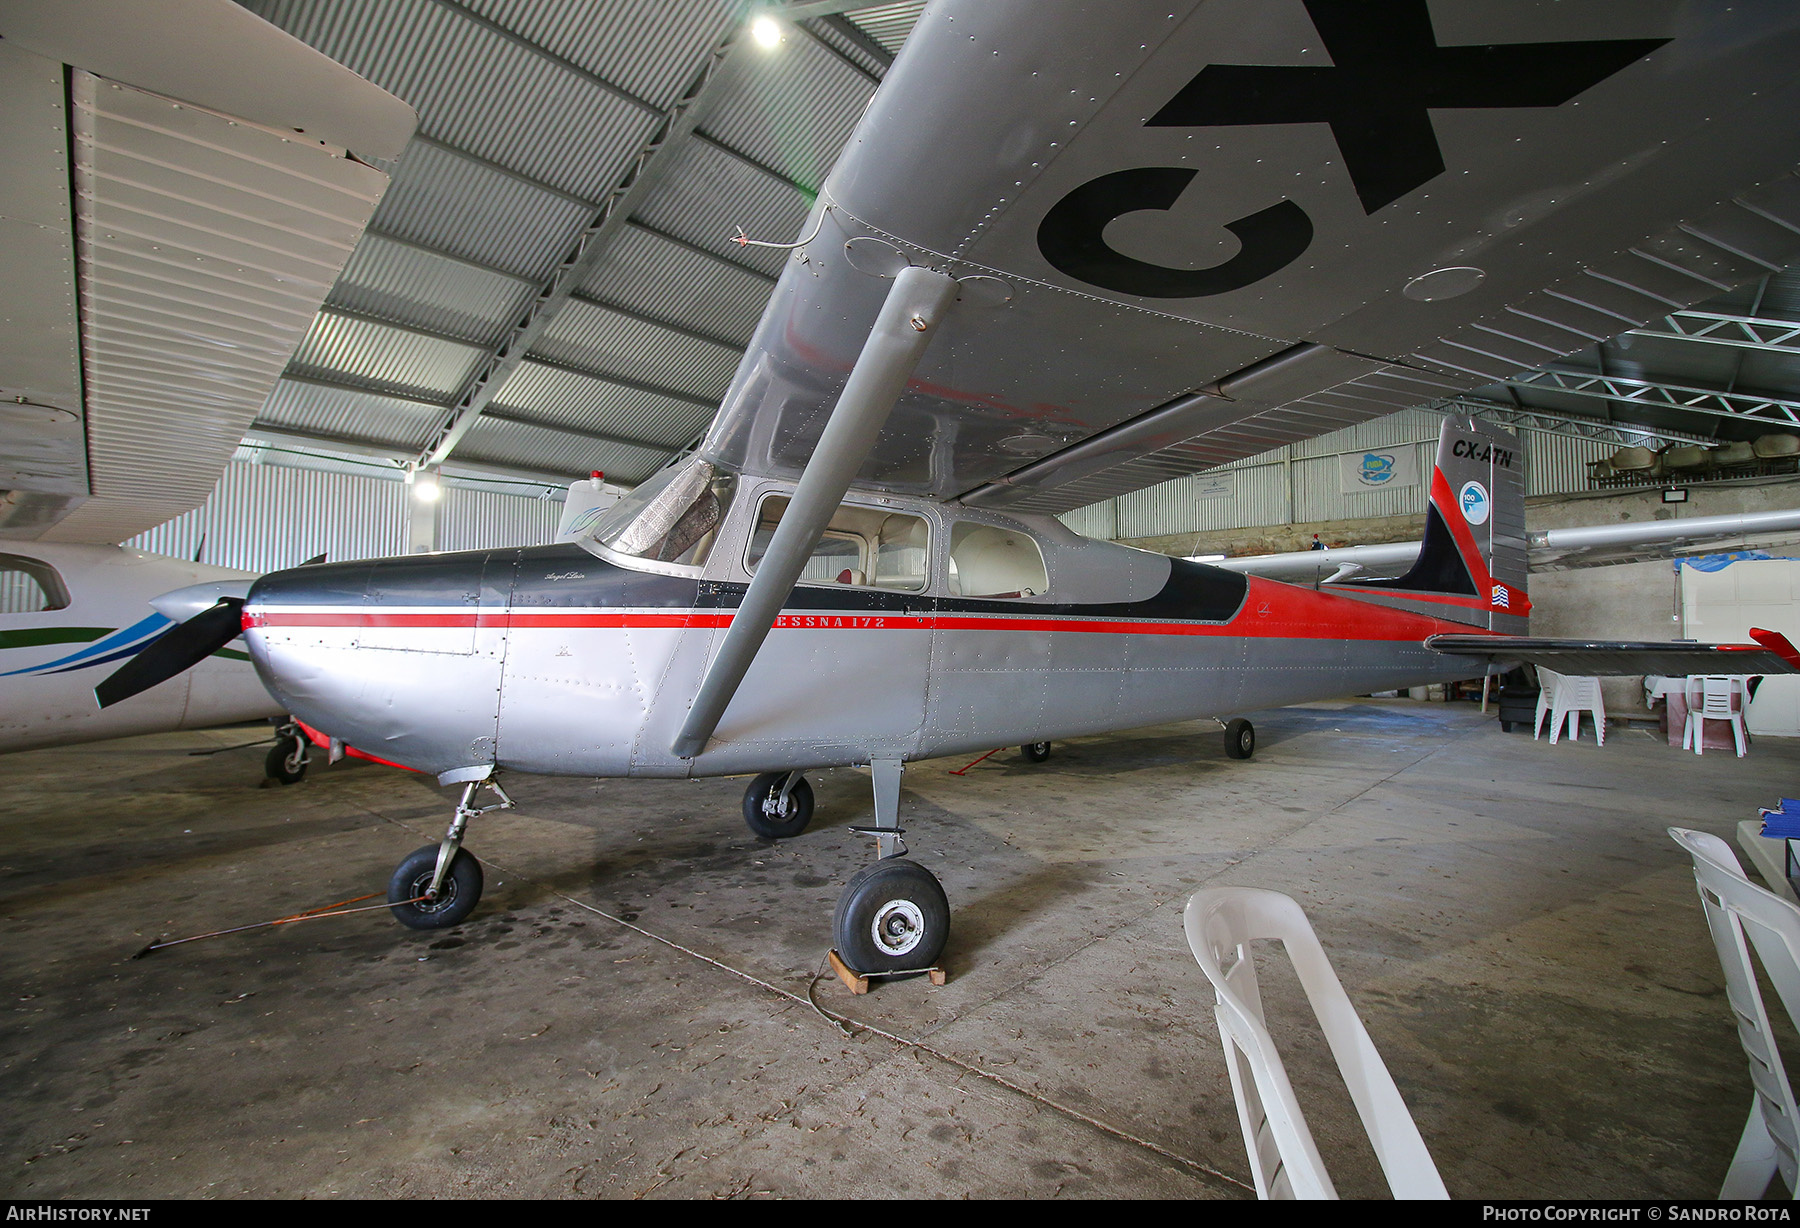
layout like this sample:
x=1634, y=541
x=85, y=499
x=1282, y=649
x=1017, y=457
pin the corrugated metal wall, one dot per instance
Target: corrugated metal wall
x=261, y=517
x=486, y=520
x=1302, y=483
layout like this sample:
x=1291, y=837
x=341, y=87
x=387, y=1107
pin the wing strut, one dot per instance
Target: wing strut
x=908, y=319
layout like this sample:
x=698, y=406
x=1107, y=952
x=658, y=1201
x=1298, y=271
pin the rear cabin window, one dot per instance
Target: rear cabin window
x=991, y=562
x=673, y=517
x=862, y=546
x=28, y=586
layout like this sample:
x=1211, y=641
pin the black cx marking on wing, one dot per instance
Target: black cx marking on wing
x=1072, y=237
x=1388, y=73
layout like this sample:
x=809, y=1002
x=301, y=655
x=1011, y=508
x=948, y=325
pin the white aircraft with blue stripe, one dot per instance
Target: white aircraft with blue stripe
x=68, y=614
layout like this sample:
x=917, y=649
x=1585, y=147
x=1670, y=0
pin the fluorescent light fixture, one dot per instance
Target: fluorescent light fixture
x=766, y=31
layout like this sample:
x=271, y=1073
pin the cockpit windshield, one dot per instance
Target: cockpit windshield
x=673, y=517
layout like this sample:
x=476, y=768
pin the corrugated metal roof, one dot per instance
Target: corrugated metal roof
x=517, y=443
x=409, y=285
x=888, y=24
x=466, y=209
x=582, y=402
x=660, y=278
x=476, y=89
x=791, y=108
x=667, y=38
x=707, y=195
x=600, y=339
x=344, y=413
x=384, y=359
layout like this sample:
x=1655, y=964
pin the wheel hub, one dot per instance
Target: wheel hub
x=898, y=927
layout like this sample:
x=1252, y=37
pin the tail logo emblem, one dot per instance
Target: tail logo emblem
x=1502, y=598
x=1474, y=501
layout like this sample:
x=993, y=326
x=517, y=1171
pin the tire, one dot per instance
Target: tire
x=761, y=798
x=462, y=890
x=892, y=917
x=286, y=761
x=1036, y=752
x=1240, y=739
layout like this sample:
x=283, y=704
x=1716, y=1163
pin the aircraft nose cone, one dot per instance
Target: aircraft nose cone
x=179, y=605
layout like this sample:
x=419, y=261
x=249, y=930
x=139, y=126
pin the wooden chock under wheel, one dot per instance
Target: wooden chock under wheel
x=858, y=982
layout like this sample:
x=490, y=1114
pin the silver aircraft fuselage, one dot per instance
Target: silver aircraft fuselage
x=575, y=660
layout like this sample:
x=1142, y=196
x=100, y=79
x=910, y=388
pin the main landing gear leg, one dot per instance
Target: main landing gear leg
x=440, y=884
x=893, y=916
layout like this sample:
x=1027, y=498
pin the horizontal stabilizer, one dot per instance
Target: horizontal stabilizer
x=1771, y=654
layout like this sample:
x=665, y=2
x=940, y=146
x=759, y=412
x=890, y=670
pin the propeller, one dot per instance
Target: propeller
x=203, y=629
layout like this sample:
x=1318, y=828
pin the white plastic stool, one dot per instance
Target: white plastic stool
x=1737, y=909
x=1221, y=923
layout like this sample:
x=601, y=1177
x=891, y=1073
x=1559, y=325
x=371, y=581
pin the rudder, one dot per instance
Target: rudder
x=1472, y=565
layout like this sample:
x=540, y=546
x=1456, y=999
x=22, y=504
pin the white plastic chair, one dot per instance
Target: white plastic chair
x=1737, y=909
x=1221, y=923
x=1713, y=697
x=1566, y=697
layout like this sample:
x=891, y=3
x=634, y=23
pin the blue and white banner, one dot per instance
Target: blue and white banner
x=1380, y=469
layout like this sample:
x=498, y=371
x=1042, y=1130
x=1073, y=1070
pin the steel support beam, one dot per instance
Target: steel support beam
x=1712, y=328
x=1619, y=390
x=1550, y=422
x=916, y=303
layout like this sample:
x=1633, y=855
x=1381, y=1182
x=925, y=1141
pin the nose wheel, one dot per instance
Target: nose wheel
x=440, y=884
x=1240, y=739
x=778, y=805
x=287, y=759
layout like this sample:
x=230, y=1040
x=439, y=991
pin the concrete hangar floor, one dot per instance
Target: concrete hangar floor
x=627, y=1014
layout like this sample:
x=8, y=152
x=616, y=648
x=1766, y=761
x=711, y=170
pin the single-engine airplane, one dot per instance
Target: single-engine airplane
x=1072, y=250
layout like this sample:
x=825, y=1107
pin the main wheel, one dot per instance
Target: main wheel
x=461, y=891
x=772, y=817
x=286, y=761
x=1240, y=739
x=1036, y=752
x=892, y=917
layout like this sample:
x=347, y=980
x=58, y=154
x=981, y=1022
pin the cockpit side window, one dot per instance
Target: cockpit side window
x=861, y=546
x=986, y=561
x=672, y=518
x=30, y=586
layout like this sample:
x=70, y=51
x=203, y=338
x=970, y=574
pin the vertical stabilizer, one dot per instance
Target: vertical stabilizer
x=1472, y=565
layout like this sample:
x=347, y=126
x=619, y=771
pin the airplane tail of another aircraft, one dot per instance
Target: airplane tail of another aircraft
x=1472, y=565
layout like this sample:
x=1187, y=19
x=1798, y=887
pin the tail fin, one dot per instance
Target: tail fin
x=1472, y=566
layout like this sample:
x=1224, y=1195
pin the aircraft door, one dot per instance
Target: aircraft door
x=843, y=673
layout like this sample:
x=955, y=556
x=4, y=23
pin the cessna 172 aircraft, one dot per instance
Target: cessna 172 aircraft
x=1072, y=250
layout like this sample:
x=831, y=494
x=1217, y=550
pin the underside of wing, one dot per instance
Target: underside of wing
x=1772, y=654
x=1190, y=232
x=186, y=183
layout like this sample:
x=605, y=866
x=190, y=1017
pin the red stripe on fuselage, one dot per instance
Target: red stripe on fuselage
x=1271, y=610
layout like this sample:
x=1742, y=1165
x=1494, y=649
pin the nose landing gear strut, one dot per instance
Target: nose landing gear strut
x=440, y=884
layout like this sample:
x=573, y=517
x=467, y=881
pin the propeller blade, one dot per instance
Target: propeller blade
x=180, y=648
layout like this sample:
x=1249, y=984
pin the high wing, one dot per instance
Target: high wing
x=1187, y=232
x=1547, y=549
x=185, y=183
